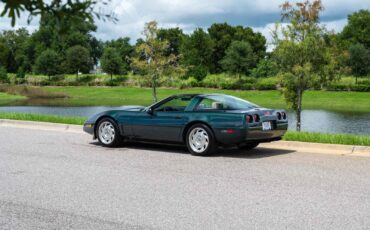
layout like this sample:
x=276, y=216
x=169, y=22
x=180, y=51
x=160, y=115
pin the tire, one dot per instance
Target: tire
x=200, y=140
x=248, y=146
x=108, y=133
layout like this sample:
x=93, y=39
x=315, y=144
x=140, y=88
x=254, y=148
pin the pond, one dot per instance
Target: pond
x=312, y=120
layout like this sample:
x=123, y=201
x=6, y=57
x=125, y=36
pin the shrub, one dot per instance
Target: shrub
x=343, y=87
x=364, y=82
x=59, y=77
x=85, y=78
x=3, y=75
x=198, y=72
x=190, y=82
x=250, y=80
x=360, y=88
x=247, y=86
x=265, y=86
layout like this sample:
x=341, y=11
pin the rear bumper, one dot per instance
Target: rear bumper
x=251, y=134
x=256, y=134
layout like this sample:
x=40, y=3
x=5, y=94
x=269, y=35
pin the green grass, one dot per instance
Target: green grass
x=343, y=139
x=6, y=99
x=43, y=118
x=115, y=96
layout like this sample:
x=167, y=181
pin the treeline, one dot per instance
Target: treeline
x=222, y=48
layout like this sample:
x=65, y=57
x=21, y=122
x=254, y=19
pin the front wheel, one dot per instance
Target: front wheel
x=108, y=133
x=200, y=140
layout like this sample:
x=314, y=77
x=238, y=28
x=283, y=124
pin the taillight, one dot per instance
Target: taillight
x=249, y=119
x=278, y=115
x=284, y=115
x=256, y=118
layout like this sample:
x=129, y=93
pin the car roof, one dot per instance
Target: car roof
x=199, y=95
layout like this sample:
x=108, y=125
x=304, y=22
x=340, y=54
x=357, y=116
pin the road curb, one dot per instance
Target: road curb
x=41, y=125
x=287, y=145
x=320, y=148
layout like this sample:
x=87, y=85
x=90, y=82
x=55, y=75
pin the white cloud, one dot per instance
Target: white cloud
x=189, y=14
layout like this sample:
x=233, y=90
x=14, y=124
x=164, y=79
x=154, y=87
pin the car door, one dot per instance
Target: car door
x=163, y=123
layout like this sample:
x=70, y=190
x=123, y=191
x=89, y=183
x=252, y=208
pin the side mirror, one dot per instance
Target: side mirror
x=150, y=111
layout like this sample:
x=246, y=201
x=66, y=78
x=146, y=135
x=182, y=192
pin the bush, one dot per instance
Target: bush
x=343, y=87
x=59, y=77
x=364, y=82
x=85, y=78
x=21, y=73
x=190, y=82
x=247, y=86
x=265, y=86
x=3, y=75
x=198, y=72
x=360, y=88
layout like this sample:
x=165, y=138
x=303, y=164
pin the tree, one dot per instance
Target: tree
x=239, y=58
x=224, y=34
x=78, y=59
x=265, y=68
x=152, y=59
x=174, y=36
x=125, y=51
x=48, y=63
x=196, y=51
x=301, y=54
x=111, y=62
x=13, y=48
x=359, y=60
x=358, y=28
x=59, y=9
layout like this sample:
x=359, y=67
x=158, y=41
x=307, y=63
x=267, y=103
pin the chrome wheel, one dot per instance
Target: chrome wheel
x=106, y=132
x=198, y=140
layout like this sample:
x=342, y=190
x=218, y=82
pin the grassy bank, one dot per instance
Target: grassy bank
x=344, y=139
x=43, y=118
x=114, y=96
x=9, y=98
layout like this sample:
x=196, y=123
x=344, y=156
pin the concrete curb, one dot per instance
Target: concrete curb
x=41, y=125
x=307, y=147
x=287, y=145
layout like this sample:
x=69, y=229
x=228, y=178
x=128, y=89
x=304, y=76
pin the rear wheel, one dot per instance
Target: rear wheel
x=108, y=133
x=200, y=140
x=248, y=146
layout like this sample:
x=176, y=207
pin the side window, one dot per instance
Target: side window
x=174, y=105
x=210, y=104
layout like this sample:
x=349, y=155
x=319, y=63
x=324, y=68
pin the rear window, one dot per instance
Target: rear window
x=224, y=102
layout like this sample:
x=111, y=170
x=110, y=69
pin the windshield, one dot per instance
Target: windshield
x=224, y=102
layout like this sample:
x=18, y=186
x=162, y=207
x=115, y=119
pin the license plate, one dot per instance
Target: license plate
x=266, y=125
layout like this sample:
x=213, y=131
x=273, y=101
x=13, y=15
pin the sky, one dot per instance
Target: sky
x=261, y=15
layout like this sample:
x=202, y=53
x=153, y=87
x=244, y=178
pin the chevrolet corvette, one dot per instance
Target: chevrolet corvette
x=202, y=122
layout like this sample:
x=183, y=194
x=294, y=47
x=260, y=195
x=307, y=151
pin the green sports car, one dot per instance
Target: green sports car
x=201, y=121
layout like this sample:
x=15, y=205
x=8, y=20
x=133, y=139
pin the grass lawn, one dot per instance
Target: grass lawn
x=345, y=139
x=43, y=118
x=115, y=96
x=6, y=99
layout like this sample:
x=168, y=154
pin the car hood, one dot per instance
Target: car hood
x=113, y=112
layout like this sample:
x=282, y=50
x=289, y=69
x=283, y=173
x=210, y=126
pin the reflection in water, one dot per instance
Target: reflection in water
x=332, y=122
x=312, y=120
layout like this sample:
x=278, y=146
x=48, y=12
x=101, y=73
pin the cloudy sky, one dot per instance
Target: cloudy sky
x=190, y=14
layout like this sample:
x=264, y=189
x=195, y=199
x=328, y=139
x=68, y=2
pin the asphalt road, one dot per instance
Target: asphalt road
x=60, y=180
